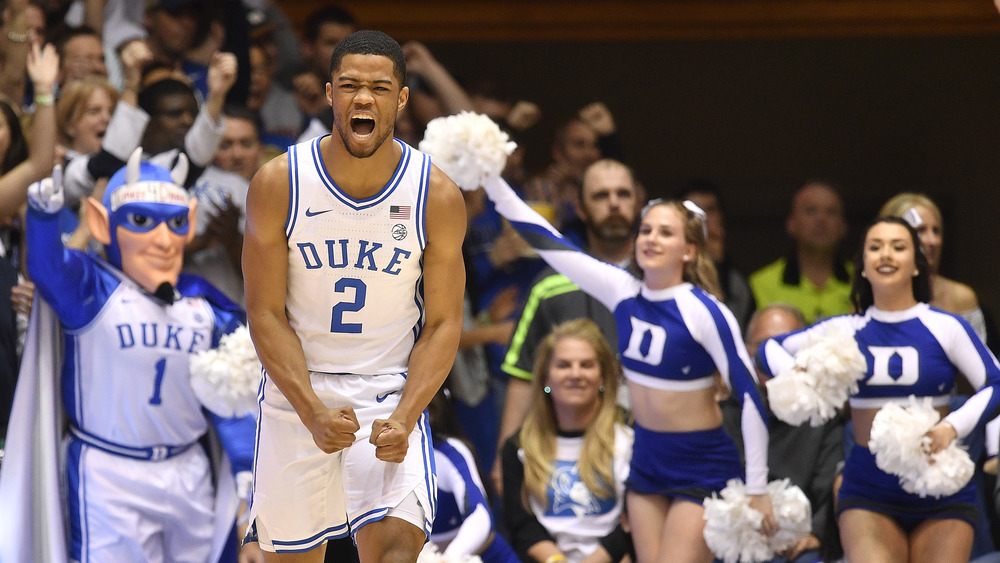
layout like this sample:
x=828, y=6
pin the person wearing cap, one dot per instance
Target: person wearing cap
x=139, y=485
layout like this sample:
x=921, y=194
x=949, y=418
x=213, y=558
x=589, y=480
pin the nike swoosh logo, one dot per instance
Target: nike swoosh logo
x=382, y=396
x=311, y=213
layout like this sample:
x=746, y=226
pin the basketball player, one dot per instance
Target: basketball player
x=354, y=283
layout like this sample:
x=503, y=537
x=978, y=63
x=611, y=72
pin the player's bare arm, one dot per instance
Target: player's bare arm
x=444, y=288
x=265, y=267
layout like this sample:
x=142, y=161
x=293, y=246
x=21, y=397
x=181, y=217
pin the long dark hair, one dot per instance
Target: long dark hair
x=861, y=288
x=17, y=152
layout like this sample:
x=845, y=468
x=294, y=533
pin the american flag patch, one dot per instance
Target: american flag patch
x=399, y=212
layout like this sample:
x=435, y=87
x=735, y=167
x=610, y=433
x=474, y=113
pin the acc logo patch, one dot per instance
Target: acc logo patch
x=399, y=231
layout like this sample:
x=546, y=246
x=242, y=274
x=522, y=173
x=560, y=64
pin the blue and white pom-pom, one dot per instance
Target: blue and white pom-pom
x=900, y=447
x=732, y=527
x=469, y=147
x=826, y=373
x=226, y=379
x=430, y=554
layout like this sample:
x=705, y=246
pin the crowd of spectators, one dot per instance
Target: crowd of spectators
x=231, y=84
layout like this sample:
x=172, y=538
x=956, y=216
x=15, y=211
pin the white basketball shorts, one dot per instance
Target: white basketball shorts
x=303, y=497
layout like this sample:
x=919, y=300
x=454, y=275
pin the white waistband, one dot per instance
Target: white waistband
x=879, y=402
x=670, y=384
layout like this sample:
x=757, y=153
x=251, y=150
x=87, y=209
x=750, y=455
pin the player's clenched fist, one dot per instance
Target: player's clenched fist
x=391, y=440
x=333, y=429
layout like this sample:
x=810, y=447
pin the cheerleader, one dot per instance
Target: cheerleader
x=910, y=349
x=673, y=335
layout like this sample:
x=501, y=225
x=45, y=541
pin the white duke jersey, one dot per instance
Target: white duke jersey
x=355, y=292
x=126, y=378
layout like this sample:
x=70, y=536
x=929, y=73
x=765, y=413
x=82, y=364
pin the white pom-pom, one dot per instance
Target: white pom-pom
x=826, y=373
x=469, y=147
x=226, y=379
x=793, y=513
x=732, y=526
x=898, y=442
x=430, y=554
x=792, y=399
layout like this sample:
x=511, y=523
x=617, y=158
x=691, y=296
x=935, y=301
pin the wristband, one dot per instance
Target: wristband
x=42, y=100
x=557, y=558
x=17, y=37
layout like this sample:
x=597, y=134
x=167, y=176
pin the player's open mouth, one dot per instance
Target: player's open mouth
x=362, y=126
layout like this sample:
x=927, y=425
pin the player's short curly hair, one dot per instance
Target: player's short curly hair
x=370, y=42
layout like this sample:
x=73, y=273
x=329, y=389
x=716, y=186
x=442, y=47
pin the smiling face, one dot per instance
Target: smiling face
x=661, y=249
x=889, y=258
x=365, y=94
x=152, y=246
x=574, y=375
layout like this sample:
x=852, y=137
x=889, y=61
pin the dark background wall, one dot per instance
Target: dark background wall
x=759, y=117
x=880, y=97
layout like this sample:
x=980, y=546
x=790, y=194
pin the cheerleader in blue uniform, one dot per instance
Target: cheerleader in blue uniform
x=673, y=336
x=911, y=349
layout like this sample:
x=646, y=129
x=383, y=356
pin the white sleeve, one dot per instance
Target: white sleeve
x=607, y=283
x=778, y=354
x=122, y=22
x=473, y=534
x=125, y=130
x=963, y=347
x=78, y=184
x=713, y=326
x=203, y=138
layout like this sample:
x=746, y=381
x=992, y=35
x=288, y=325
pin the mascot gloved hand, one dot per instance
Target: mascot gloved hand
x=47, y=195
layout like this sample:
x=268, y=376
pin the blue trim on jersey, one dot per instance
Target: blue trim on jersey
x=541, y=238
x=293, y=190
x=430, y=472
x=367, y=518
x=740, y=377
x=331, y=533
x=256, y=440
x=349, y=201
x=70, y=375
x=152, y=453
x=75, y=491
x=421, y=212
x=430, y=468
x=418, y=300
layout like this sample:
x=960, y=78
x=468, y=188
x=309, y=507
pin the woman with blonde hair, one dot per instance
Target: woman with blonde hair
x=673, y=336
x=564, y=472
x=946, y=294
x=83, y=113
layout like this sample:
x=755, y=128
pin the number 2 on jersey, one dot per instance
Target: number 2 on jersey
x=337, y=323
